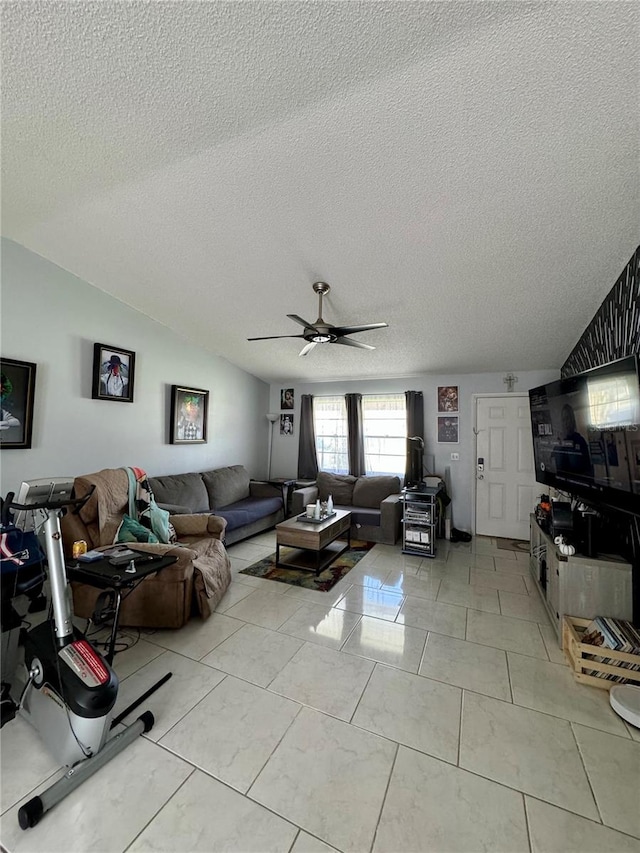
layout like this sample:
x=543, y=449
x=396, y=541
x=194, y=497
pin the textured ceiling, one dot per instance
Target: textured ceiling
x=467, y=172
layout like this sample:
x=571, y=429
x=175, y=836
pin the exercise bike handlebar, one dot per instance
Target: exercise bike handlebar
x=77, y=503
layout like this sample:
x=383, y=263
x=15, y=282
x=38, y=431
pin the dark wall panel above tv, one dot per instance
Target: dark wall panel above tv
x=614, y=332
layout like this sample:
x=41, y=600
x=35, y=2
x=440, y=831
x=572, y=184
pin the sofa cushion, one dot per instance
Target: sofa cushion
x=226, y=486
x=363, y=516
x=249, y=510
x=339, y=486
x=183, y=489
x=371, y=491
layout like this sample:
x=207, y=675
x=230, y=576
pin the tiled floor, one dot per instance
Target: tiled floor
x=421, y=705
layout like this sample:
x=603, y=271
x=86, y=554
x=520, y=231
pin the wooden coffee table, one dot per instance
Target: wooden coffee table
x=315, y=542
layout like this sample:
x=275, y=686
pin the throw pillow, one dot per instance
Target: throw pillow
x=371, y=491
x=339, y=486
x=131, y=530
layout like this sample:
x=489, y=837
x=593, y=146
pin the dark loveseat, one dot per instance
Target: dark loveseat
x=374, y=503
x=247, y=506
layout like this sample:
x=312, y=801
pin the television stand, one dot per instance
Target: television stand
x=578, y=585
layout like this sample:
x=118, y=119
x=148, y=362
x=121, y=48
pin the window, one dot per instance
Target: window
x=330, y=422
x=384, y=418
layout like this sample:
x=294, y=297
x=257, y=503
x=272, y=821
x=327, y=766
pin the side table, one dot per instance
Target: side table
x=103, y=575
x=285, y=484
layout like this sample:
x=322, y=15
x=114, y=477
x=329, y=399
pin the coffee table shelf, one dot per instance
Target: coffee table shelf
x=315, y=544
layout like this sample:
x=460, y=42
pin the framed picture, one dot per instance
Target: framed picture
x=113, y=373
x=286, y=398
x=17, y=390
x=189, y=409
x=286, y=424
x=447, y=398
x=448, y=430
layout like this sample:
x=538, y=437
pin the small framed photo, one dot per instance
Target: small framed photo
x=17, y=392
x=286, y=424
x=189, y=410
x=286, y=398
x=447, y=398
x=113, y=373
x=448, y=430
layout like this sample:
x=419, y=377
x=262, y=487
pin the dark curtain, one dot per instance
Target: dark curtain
x=355, y=434
x=415, y=423
x=307, y=456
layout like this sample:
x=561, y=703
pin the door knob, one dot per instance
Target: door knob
x=480, y=476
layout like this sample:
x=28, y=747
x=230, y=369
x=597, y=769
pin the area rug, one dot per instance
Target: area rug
x=512, y=545
x=297, y=577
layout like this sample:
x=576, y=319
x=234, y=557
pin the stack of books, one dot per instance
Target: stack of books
x=613, y=634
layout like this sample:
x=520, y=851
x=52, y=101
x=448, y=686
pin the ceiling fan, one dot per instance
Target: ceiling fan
x=322, y=332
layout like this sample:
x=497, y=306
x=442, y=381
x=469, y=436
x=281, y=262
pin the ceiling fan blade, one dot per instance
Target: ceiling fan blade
x=302, y=322
x=347, y=342
x=349, y=330
x=307, y=349
x=273, y=337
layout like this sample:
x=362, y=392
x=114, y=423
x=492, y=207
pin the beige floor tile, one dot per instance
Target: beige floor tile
x=552, y=689
x=421, y=584
x=19, y=776
x=368, y=601
x=235, y=593
x=106, y=812
x=198, y=638
x=412, y=710
x=233, y=731
x=469, y=665
x=527, y=607
x=613, y=766
x=253, y=653
x=433, y=616
x=436, y=808
x=315, y=596
x=526, y=750
x=445, y=571
x=140, y=653
x=324, y=679
x=503, y=632
x=329, y=778
x=498, y=580
x=262, y=608
x=189, y=683
x=511, y=565
x=306, y=843
x=465, y=595
x=555, y=830
x=387, y=642
x=238, y=826
x=325, y=626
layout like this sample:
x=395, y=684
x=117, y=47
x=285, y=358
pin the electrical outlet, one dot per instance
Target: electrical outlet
x=455, y=457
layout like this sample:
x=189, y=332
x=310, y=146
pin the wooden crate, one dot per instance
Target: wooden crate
x=580, y=656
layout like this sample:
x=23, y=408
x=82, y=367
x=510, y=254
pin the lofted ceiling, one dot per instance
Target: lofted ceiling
x=467, y=172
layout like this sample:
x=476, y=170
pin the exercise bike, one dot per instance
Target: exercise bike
x=71, y=689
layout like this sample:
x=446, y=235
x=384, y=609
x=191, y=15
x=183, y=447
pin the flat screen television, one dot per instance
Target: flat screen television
x=586, y=435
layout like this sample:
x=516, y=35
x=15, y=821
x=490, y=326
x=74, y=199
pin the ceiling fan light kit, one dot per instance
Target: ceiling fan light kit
x=322, y=332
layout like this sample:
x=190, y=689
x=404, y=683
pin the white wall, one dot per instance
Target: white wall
x=285, y=448
x=53, y=318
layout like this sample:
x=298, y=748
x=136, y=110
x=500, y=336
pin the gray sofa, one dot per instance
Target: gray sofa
x=374, y=503
x=248, y=506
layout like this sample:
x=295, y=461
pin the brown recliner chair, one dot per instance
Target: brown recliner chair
x=194, y=584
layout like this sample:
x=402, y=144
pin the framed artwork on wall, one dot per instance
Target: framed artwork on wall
x=113, y=373
x=286, y=398
x=448, y=430
x=17, y=391
x=447, y=398
x=189, y=410
x=286, y=424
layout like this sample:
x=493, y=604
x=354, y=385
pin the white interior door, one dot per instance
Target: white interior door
x=505, y=477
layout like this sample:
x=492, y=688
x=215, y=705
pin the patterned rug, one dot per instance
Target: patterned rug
x=512, y=545
x=297, y=577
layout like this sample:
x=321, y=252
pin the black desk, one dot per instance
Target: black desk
x=103, y=575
